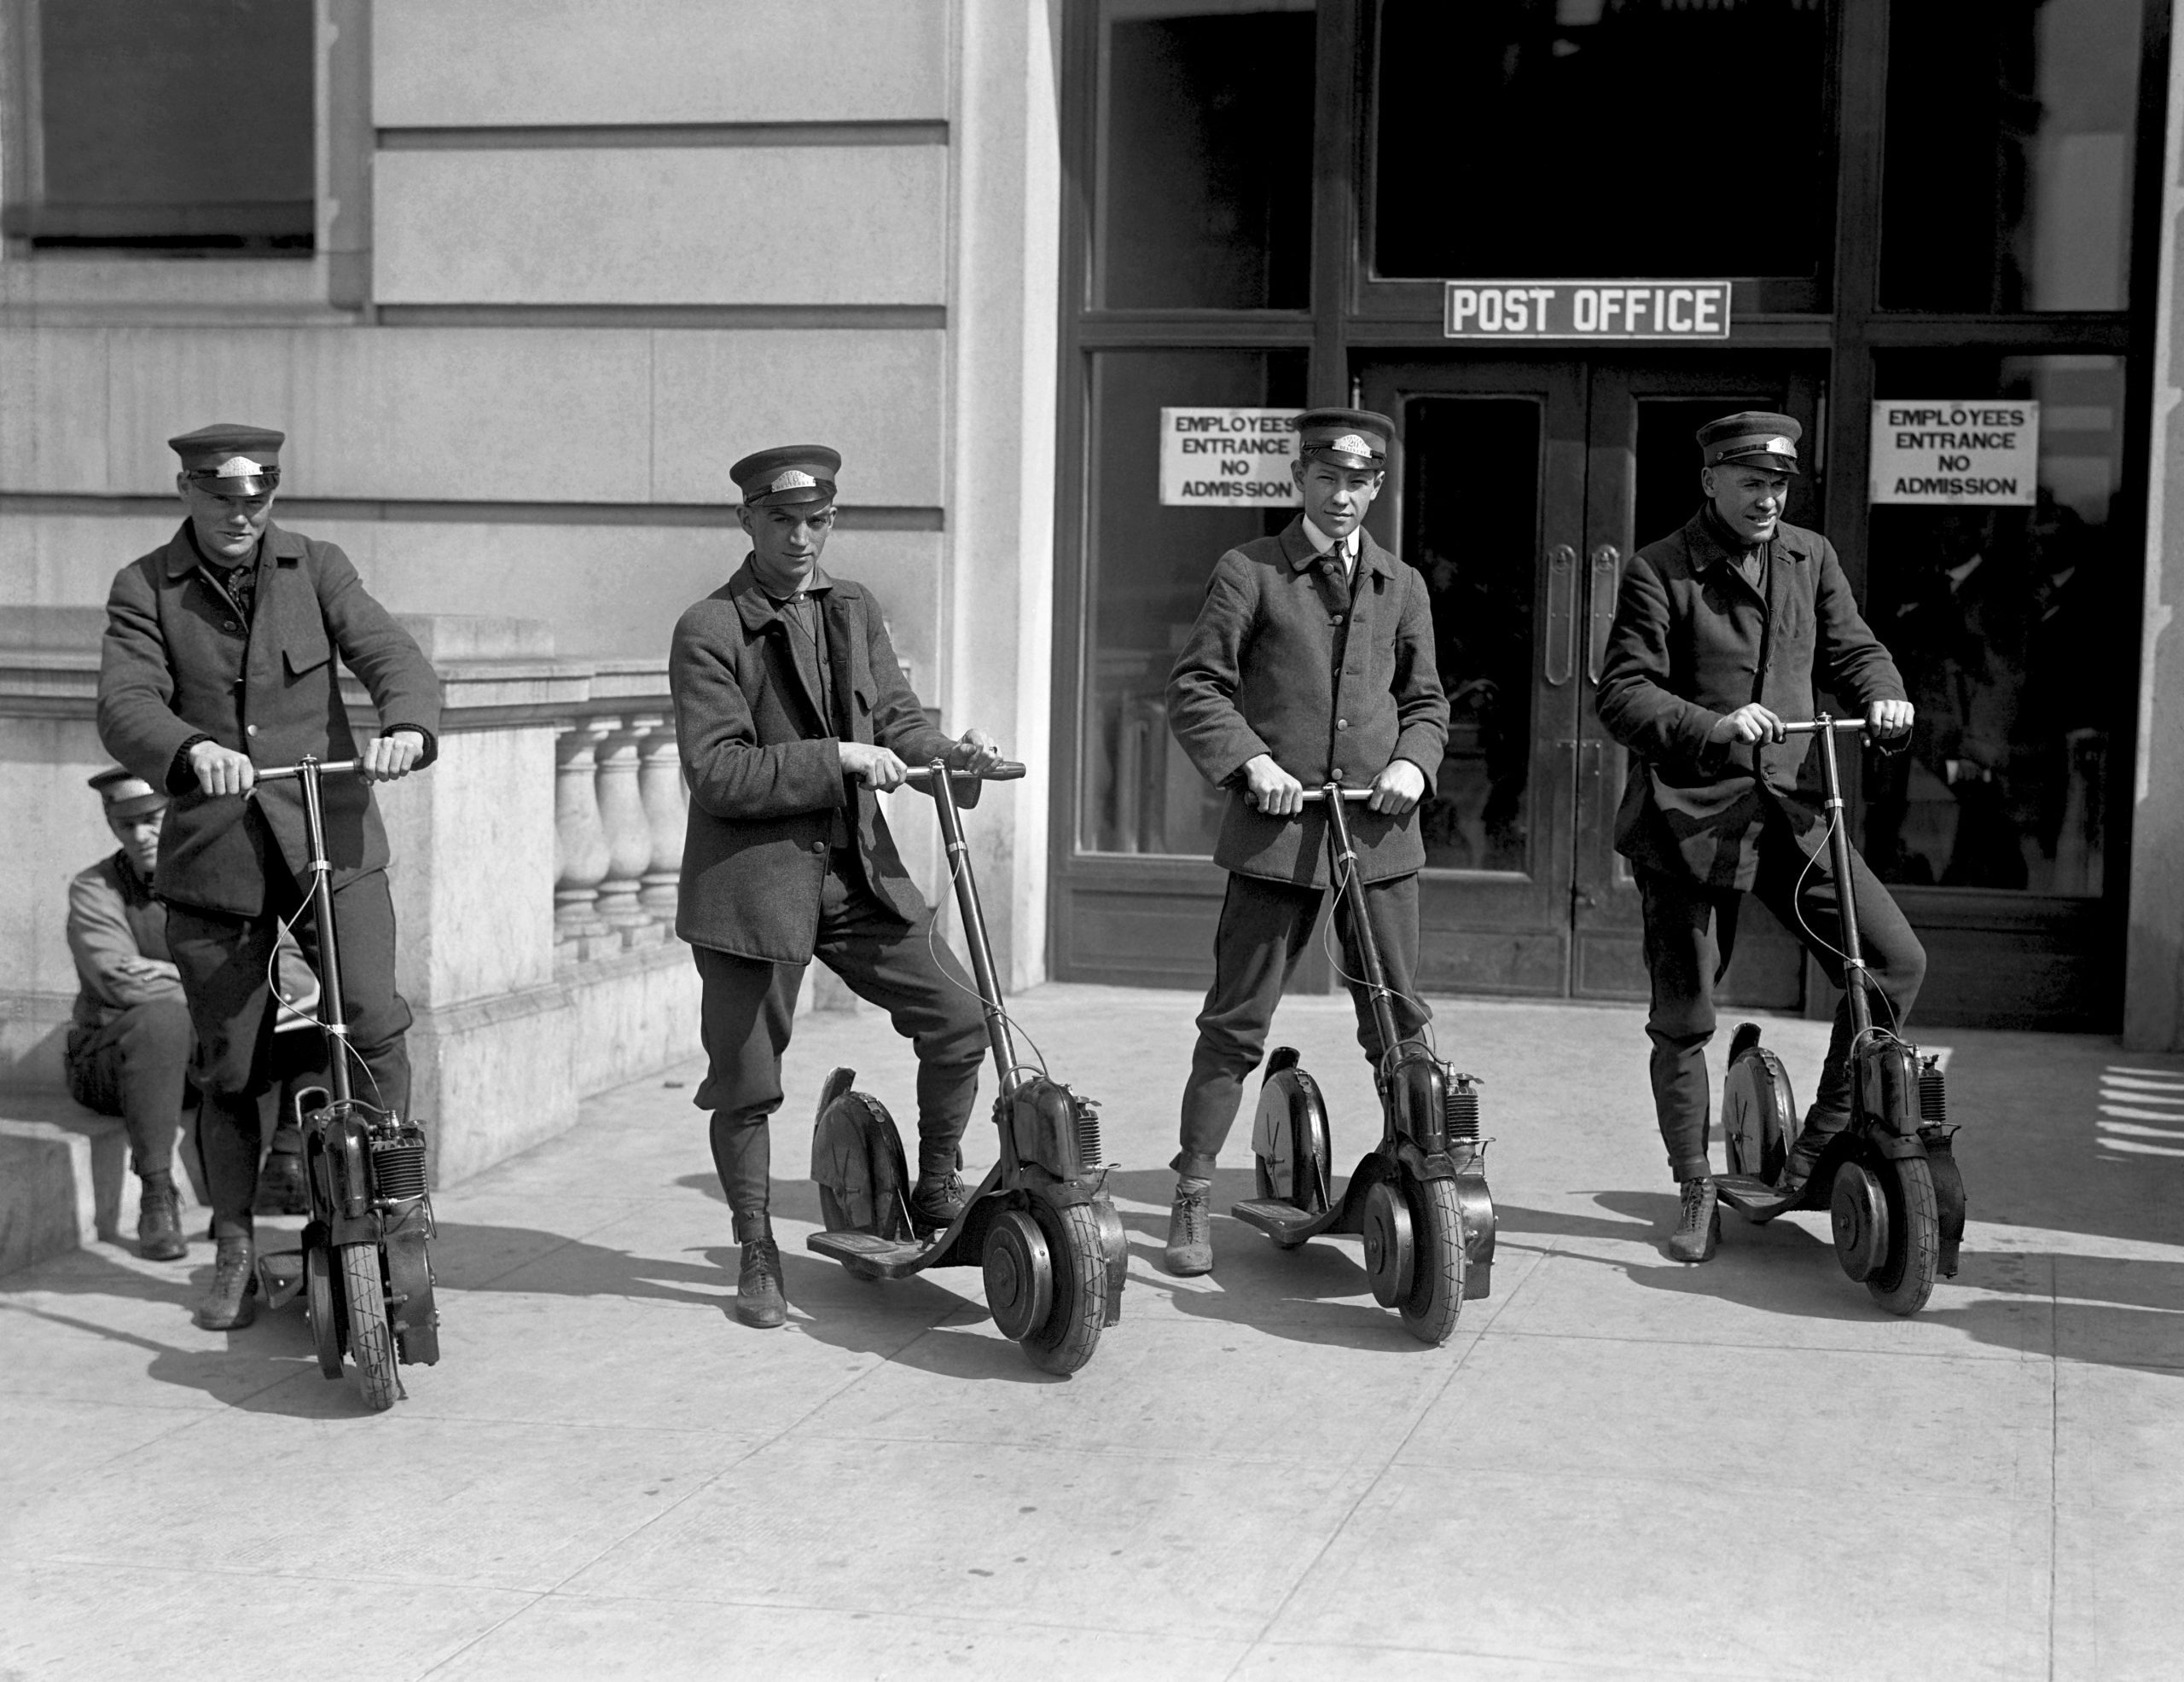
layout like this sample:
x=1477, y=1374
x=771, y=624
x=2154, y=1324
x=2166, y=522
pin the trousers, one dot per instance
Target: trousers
x=1690, y=935
x=748, y=1007
x=1264, y=928
x=135, y=1066
x=224, y=962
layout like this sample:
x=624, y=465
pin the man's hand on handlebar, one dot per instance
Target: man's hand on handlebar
x=1271, y=789
x=1400, y=786
x=389, y=757
x=974, y=752
x=1750, y=722
x=1889, y=718
x=221, y=770
x=874, y=766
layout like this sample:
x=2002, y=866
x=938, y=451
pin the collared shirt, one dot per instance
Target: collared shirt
x=237, y=581
x=1321, y=544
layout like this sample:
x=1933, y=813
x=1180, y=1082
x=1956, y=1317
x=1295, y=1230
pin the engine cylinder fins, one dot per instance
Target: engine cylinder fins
x=1933, y=1095
x=398, y=1169
x=1461, y=1108
x=1086, y=1115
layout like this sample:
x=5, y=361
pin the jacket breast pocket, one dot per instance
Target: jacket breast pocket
x=307, y=654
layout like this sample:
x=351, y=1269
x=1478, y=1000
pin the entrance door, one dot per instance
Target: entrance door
x=1518, y=491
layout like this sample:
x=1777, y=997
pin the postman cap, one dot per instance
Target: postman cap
x=126, y=794
x=1753, y=438
x=793, y=472
x=231, y=460
x=1356, y=438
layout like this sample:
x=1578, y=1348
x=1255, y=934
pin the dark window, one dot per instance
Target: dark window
x=2014, y=631
x=1205, y=155
x=183, y=126
x=1147, y=567
x=1472, y=527
x=1603, y=138
x=2006, y=183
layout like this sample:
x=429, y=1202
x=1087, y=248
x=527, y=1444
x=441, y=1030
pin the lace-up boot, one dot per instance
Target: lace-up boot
x=1190, y=1229
x=158, y=1220
x=936, y=1201
x=1821, y=1126
x=231, y=1303
x=759, y=1299
x=1699, y=1226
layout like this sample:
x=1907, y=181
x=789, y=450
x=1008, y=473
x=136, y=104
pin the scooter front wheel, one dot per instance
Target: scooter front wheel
x=371, y=1344
x=1905, y=1278
x=1071, y=1332
x=1437, y=1292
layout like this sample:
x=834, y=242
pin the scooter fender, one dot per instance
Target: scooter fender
x=1948, y=1196
x=409, y=1226
x=1114, y=1245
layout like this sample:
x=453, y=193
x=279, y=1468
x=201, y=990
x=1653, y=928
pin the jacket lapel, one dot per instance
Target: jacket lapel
x=765, y=622
x=844, y=630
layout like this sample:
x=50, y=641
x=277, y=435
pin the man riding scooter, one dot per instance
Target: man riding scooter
x=1720, y=630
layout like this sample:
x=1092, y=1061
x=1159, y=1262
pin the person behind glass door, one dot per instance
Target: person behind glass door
x=1312, y=661
x=1721, y=629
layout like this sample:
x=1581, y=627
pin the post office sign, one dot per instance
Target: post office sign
x=1586, y=310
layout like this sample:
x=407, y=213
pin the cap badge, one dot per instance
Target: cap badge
x=237, y=466
x=1780, y=447
x=793, y=480
x=1350, y=444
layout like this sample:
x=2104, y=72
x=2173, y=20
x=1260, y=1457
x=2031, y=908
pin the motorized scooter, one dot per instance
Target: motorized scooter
x=1040, y=1224
x=363, y=1268
x=1889, y=1180
x=1419, y=1199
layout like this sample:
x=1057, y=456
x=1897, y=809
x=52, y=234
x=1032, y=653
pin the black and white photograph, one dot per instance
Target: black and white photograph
x=1235, y=840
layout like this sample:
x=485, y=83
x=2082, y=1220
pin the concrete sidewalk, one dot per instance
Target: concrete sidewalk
x=1618, y=1466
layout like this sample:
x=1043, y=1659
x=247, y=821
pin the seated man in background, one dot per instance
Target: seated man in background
x=130, y=1042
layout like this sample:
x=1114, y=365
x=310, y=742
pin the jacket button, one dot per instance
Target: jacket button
x=1336, y=774
x=250, y=729
x=1342, y=724
x=1334, y=620
x=818, y=846
x=231, y=625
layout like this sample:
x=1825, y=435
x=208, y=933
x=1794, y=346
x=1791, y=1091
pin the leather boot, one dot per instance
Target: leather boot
x=231, y=1303
x=936, y=1201
x=159, y=1220
x=1821, y=1126
x=759, y=1299
x=1190, y=1229
x=281, y=1188
x=1699, y=1226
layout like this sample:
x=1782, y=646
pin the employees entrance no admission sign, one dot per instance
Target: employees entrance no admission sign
x=1981, y=452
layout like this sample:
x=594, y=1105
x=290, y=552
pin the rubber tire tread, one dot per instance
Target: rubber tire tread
x=1071, y=1332
x=1436, y=1292
x=1905, y=1278
x=371, y=1341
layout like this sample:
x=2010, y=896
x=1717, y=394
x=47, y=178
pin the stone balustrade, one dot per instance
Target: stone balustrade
x=534, y=874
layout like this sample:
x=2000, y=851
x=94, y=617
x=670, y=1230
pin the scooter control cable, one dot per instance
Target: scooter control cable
x=1894, y=1030
x=1333, y=947
x=286, y=1009
x=932, y=946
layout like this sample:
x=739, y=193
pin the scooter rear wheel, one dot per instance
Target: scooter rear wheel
x=1436, y=1292
x=1071, y=1330
x=1905, y=1278
x=371, y=1344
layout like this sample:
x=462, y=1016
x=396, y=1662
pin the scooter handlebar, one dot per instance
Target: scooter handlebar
x=1813, y=727
x=1007, y=771
x=1352, y=795
x=332, y=768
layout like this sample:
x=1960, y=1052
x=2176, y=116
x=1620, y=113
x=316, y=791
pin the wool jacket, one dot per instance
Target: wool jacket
x=1287, y=658
x=1693, y=640
x=177, y=664
x=764, y=765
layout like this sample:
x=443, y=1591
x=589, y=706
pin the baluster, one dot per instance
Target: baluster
x=579, y=842
x=622, y=816
x=659, y=785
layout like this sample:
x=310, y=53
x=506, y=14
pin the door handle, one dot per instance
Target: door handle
x=1562, y=611
x=1606, y=575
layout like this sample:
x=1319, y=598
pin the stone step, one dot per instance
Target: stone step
x=65, y=1181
